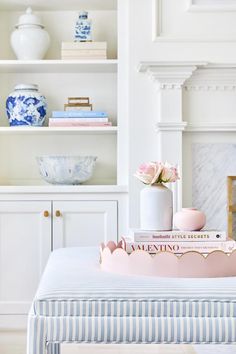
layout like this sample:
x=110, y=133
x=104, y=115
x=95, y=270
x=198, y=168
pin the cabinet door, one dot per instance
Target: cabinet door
x=84, y=223
x=25, y=244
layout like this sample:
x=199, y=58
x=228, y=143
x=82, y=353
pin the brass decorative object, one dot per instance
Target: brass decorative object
x=78, y=103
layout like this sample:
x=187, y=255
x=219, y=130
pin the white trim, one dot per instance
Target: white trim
x=210, y=127
x=171, y=126
x=169, y=75
x=157, y=32
x=144, y=66
x=225, y=6
x=192, y=75
x=213, y=77
x=57, y=189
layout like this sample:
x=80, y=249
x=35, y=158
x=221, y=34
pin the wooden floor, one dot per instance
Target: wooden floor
x=15, y=343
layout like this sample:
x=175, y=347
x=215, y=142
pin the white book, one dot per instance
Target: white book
x=84, y=57
x=84, y=45
x=138, y=235
x=84, y=52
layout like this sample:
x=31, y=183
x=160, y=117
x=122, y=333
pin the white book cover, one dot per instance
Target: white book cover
x=84, y=57
x=138, y=235
x=83, y=52
x=84, y=45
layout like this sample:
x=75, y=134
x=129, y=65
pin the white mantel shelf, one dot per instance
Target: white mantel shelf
x=58, y=66
x=58, y=130
x=148, y=65
x=59, y=189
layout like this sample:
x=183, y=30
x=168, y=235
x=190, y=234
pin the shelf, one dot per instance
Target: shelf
x=58, y=66
x=48, y=189
x=58, y=130
x=45, y=5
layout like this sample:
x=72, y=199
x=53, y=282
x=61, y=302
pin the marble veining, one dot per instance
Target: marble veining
x=212, y=163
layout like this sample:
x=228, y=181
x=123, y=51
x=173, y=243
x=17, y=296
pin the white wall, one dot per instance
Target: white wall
x=170, y=30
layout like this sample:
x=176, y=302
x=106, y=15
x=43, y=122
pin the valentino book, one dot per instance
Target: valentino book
x=179, y=247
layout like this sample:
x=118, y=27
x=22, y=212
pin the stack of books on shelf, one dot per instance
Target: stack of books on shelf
x=78, y=112
x=83, y=50
x=178, y=242
x=79, y=119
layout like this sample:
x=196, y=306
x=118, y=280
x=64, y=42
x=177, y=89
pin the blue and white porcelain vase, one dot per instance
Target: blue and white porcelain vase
x=26, y=106
x=83, y=28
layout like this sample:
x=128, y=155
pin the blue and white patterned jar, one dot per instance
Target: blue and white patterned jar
x=83, y=28
x=26, y=106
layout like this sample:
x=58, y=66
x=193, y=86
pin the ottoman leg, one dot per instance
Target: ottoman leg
x=36, y=335
x=53, y=348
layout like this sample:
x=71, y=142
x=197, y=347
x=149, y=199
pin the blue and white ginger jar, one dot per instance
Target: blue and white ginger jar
x=83, y=28
x=26, y=106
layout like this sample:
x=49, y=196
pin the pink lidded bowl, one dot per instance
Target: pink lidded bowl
x=189, y=219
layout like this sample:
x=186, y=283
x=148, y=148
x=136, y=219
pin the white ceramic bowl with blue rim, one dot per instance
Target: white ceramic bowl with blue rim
x=67, y=170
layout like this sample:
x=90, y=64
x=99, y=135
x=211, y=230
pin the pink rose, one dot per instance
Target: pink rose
x=156, y=172
x=169, y=173
x=149, y=173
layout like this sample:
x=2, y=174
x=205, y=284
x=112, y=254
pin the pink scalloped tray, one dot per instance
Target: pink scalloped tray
x=114, y=259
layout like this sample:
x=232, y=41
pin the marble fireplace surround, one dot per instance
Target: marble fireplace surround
x=170, y=79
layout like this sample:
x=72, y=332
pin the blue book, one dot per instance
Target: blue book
x=79, y=114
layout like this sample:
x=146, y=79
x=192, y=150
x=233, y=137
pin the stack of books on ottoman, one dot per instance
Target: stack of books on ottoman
x=84, y=50
x=178, y=242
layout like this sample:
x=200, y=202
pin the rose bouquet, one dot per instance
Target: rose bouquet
x=157, y=172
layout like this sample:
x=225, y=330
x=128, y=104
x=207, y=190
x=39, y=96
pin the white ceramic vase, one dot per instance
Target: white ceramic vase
x=30, y=41
x=156, y=208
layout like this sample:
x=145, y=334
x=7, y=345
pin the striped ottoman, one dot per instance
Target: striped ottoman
x=77, y=302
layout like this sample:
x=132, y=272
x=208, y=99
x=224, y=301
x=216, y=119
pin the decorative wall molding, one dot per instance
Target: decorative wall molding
x=169, y=75
x=208, y=127
x=171, y=126
x=157, y=22
x=211, y=5
x=213, y=77
x=186, y=127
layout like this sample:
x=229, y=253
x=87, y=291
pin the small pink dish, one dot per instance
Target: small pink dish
x=189, y=219
x=114, y=259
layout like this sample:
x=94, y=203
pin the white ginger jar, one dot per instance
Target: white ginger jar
x=30, y=41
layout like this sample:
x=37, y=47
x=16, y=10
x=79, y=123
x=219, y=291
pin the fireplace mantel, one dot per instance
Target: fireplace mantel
x=170, y=80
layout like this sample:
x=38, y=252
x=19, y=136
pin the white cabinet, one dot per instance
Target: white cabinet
x=25, y=244
x=29, y=230
x=84, y=223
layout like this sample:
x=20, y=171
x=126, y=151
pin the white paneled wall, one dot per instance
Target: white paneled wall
x=201, y=32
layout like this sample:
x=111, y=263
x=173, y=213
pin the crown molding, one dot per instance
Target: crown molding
x=210, y=127
x=191, y=75
x=169, y=75
x=213, y=77
x=171, y=126
x=206, y=127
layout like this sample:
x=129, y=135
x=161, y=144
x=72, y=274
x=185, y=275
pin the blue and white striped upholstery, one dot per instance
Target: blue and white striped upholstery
x=77, y=302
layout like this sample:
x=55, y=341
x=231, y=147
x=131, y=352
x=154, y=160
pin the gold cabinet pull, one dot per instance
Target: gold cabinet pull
x=58, y=213
x=46, y=214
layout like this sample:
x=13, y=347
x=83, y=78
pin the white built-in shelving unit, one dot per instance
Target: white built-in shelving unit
x=101, y=80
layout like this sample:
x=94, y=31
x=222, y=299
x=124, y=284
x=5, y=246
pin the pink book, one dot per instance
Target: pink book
x=179, y=246
x=76, y=124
